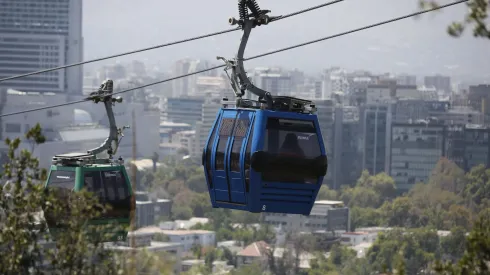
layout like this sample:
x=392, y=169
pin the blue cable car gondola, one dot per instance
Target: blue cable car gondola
x=264, y=155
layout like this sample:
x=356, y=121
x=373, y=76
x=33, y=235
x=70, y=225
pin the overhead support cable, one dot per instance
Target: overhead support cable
x=250, y=58
x=161, y=45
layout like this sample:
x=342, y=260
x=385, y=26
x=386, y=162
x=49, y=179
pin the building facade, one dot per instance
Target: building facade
x=36, y=35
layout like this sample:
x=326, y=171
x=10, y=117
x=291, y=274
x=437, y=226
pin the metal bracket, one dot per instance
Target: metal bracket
x=104, y=94
x=239, y=80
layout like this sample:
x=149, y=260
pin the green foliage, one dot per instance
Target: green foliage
x=419, y=248
x=27, y=245
x=476, y=256
x=247, y=270
x=369, y=191
x=476, y=17
x=448, y=201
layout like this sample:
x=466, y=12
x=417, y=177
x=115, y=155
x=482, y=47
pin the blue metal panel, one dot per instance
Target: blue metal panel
x=228, y=188
x=220, y=177
x=237, y=178
x=211, y=153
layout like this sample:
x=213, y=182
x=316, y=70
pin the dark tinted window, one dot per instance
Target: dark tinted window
x=111, y=188
x=240, y=132
x=60, y=184
x=116, y=185
x=224, y=133
x=93, y=183
x=292, y=137
x=62, y=179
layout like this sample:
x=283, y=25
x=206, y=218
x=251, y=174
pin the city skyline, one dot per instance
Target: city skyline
x=419, y=46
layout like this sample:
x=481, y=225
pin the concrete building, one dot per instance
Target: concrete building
x=144, y=241
x=210, y=109
x=38, y=35
x=325, y=215
x=415, y=150
x=325, y=114
x=377, y=138
x=458, y=116
x=188, y=238
x=346, y=147
x=358, y=237
x=188, y=141
x=182, y=109
x=275, y=83
x=388, y=92
x=168, y=129
x=404, y=79
x=479, y=99
x=468, y=145
x=441, y=83
x=189, y=85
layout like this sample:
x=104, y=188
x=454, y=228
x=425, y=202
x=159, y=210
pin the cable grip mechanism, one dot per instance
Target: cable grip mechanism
x=238, y=78
x=104, y=94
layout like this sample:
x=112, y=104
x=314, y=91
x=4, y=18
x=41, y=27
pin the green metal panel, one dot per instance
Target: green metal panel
x=114, y=234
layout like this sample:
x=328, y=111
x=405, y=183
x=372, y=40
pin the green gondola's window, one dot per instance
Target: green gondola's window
x=116, y=185
x=62, y=179
x=60, y=184
x=111, y=188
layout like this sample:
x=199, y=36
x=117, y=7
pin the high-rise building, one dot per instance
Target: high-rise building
x=415, y=149
x=36, y=35
x=441, y=83
x=346, y=147
x=182, y=109
x=468, y=145
x=377, y=138
x=325, y=114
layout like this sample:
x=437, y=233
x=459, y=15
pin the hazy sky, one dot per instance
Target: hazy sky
x=419, y=46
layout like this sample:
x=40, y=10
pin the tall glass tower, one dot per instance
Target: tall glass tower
x=40, y=34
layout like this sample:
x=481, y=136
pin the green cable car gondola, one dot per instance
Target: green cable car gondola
x=105, y=177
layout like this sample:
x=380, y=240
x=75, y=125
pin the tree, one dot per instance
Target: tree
x=326, y=193
x=476, y=257
x=419, y=248
x=448, y=176
x=228, y=256
x=248, y=269
x=476, y=18
x=77, y=246
x=478, y=187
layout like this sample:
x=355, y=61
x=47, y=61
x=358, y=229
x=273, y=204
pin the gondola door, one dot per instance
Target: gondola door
x=236, y=154
x=221, y=144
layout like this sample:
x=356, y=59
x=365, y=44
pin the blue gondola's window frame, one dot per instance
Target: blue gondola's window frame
x=247, y=154
x=209, y=153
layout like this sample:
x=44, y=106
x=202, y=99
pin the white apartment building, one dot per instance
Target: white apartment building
x=188, y=238
x=356, y=238
x=325, y=215
x=36, y=35
x=187, y=140
x=144, y=241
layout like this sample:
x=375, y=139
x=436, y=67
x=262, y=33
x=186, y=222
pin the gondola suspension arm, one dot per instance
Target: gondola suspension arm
x=239, y=80
x=104, y=94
